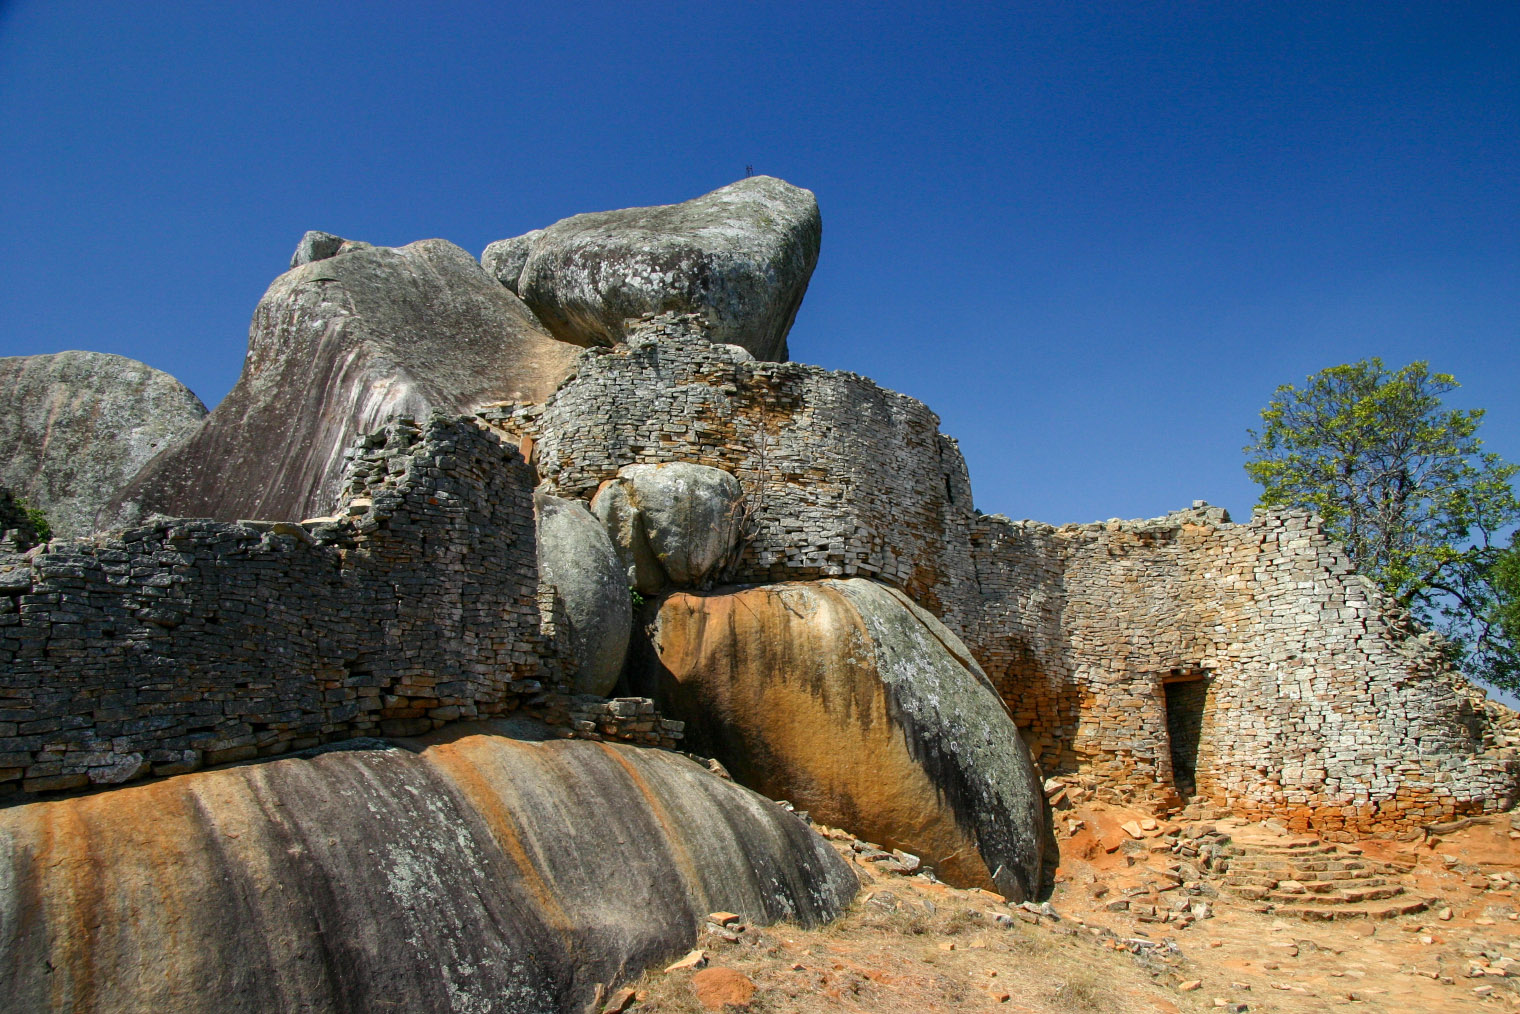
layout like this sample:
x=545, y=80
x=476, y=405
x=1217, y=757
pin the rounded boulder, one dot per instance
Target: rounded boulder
x=740, y=256
x=860, y=707
x=590, y=590
x=77, y=426
x=677, y=522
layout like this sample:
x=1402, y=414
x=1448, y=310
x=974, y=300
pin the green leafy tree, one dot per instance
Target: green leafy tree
x=1404, y=483
x=1497, y=656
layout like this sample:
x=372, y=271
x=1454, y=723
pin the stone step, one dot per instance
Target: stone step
x=1307, y=851
x=1254, y=840
x=1356, y=897
x=1371, y=910
x=1334, y=876
x=1249, y=892
x=1261, y=873
x=1328, y=865
x=1379, y=892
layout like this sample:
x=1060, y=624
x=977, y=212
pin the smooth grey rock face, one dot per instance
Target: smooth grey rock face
x=516, y=877
x=337, y=348
x=577, y=562
x=504, y=259
x=77, y=426
x=741, y=256
x=315, y=246
x=683, y=518
x=617, y=509
x=962, y=729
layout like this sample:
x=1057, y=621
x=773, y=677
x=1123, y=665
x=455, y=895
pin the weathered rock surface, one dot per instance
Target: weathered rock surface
x=841, y=477
x=578, y=566
x=504, y=259
x=337, y=347
x=741, y=256
x=679, y=522
x=856, y=705
x=486, y=874
x=77, y=426
x=315, y=246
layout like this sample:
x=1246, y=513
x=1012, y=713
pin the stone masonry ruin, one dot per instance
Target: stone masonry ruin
x=1242, y=663
x=1313, y=700
x=185, y=643
x=574, y=502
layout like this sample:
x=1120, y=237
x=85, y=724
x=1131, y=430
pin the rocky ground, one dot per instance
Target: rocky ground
x=1161, y=915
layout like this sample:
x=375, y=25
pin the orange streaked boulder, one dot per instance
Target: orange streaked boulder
x=486, y=873
x=847, y=699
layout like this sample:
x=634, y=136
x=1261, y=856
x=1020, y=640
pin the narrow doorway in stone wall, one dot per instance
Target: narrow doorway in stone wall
x=1187, y=693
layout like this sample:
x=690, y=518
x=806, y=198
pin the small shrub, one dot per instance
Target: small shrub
x=39, y=521
x=1080, y=989
x=30, y=523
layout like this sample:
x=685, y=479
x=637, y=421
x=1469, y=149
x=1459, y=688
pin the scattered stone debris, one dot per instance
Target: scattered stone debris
x=694, y=959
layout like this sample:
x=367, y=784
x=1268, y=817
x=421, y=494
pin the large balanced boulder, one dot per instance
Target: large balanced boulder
x=339, y=345
x=677, y=522
x=485, y=874
x=860, y=707
x=740, y=256
x=76, y=426
x=580, y=569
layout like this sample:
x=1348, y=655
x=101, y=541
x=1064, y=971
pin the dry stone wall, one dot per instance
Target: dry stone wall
x=181, y=643
x=1314, y=699
x=841, y=477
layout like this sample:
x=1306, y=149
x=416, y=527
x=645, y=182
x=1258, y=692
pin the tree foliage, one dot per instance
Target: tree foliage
x=29, y=523
x=1404, y=483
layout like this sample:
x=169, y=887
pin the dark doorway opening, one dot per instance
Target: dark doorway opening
x=1186, y=696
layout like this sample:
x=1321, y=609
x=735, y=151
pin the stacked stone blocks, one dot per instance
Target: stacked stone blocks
x=1323, y=703
x=1318, y=703
x=841, y=477
x=186, y=642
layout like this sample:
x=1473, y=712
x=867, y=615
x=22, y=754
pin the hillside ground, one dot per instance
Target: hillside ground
x=909, y=944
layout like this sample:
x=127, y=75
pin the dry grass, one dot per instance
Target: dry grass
x=898, y=955
x=907, y=947
x=1080, y=989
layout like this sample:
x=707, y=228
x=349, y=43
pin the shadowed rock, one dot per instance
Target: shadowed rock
x=316, y=246
x=486, y=874
x=576, y=562
x=504, y=259
x=678, y=522
x=339, y=346
x=77, y=426
x=740, y=256
x=856, y=705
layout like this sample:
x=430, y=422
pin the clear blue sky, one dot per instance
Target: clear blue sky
x=1093, y=237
